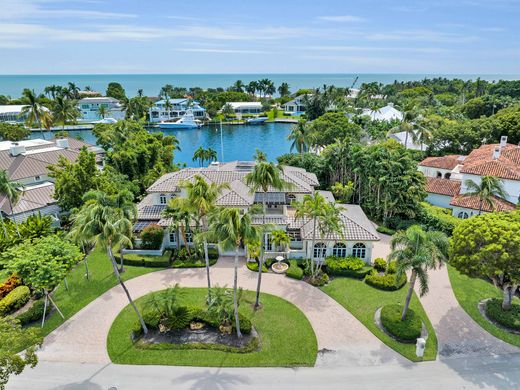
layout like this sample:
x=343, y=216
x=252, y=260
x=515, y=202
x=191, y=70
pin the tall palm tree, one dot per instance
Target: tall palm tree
x=180, y=211
x=417, y=251
x=230, y=229
x=283, y=90
x=211, y=155
x=102, y=111
x=238, y=86
x=72, y=91
x=10, y=191
x=106, y=220
x=299, y=138
x=199, y=155
x=489, y=188
x=201, y=196
x=64, y=110
x=407, y=125
x=264, y=176
x=35, y=111
x=280, y=239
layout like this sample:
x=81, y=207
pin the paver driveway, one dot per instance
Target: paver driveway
x=342, y=339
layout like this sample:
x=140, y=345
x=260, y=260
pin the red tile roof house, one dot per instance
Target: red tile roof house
x=26, y=162
x=446, y=177
x=358, y=233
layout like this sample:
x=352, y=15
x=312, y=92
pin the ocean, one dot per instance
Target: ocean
x=12, y=85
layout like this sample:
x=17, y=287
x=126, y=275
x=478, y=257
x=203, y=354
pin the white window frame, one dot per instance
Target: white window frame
x=162, y=199
x=359, y=250
x=339, y=250
x=320, y=248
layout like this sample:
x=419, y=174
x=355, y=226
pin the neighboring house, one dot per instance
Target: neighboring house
x=26, y=163
x=387, y=113
x=295, y=106
x=89, y=108
x=402, y=139
x=246, y=107
x=175, y=108
x=13, y=113
x=358, y=233
x=446, y=178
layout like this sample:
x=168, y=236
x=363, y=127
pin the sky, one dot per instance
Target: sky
x=239, y=36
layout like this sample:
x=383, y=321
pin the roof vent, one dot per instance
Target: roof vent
x=62, y=143
x=503, y=141
x=496, y=153
x=16, y=149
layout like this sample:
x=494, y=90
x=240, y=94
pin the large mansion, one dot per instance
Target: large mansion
x=446, y=177
x=358, y=233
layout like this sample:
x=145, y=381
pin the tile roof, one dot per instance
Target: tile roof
x=442, y=186
x=146, y=210
x=445, y=162
x=473, y=202
x=481, y=162
x=31, y=198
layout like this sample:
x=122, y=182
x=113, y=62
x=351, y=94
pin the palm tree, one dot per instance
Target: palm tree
x=10, y=191
x=180, y=212
x=408, y=125
x=35, y=111
x=230, y=229
x=202, y=196
x=72, y=91
x=102, y=111
x=299, y=138
x=200, y=155
x=238, y=86
x=417, y=251
x=264, y=176
x=211, y=155
x=283, y=90
x=252, y=87
x=489, y=188
x=64, y=110
x=106, y=220
x=280, y=239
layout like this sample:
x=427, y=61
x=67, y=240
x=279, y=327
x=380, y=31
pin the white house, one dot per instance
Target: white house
x=387, y=113
x=447, y=176
x=358, y=234
x=295, y=106
x=89, y=108
x=13, y=113
x=407, y=141
x=165, y=110
x=246, y=107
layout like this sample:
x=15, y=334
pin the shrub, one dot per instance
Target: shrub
x=319, y=280
x=347, y=266
x=391, y=267
x=408, y=330
x=510, y=318
x=253, y=266
x=138, y=260
x=152, y=237
x=9, y=285
x=15, y=300
x=213, y=253
x=152, y=318
x=438, y=218
x=294, y=271
x=35, y=313
x=380, y=264
x=245, y=324
x=385, y=230
x=179, y=318
x=385, y=282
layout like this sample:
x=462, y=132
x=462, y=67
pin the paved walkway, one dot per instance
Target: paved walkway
x=457, y=333
x=342, y=339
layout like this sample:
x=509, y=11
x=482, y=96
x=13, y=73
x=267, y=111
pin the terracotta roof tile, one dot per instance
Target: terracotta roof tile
x=442, y=186
x=445, y=162
x=481, y=162
x=473, y=202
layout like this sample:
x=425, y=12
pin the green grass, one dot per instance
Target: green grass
x=287, y=338
x=469, y=292
x=82, y=291
x=362, y=301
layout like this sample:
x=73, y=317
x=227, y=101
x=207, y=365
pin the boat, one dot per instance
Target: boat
x=187, y=121
x=259, y=120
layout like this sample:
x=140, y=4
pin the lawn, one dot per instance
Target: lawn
x=287, y=338
x=82, y=291
x=363, y=300
x=469, y=292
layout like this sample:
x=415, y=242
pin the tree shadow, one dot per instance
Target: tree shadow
x=86, y=384
x=208, y=380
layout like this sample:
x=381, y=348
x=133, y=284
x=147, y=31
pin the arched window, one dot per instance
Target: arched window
x=291, y=198
x=339, y=250
x=162, y=199
x=320, y=250
x=439, y=175
x=447, y=175
x=463, y=215
x=359, y=250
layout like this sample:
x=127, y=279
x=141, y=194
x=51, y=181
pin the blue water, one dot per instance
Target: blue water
x=240, y=142
x=12, y=85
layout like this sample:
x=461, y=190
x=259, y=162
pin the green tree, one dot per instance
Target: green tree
x=299, y=138
x=264, y=176
x=107, y=221
x=200, y=155
x=228, y=110
x=417, y=251
x=280, y=239
x=331, y=126
x=283, y=90
x=486, y=191
x=13, y=132
x=35, y=111
x=202, y=196
x=103, y=111
x=10, y=190
x=488, y=247
x=116, y=91
x=180, y=212
x=14, y=339
x=230, y=228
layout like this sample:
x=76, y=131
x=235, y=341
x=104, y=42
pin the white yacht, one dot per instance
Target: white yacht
x=187, y=121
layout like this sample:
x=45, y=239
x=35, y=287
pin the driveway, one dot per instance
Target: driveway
x=342, y=339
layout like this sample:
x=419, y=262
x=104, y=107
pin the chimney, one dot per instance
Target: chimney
x=62, y=143
x=496, y=153
x=503, y=141
x=16, y=149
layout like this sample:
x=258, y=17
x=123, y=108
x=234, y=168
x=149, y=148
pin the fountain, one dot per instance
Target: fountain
x=279, y=267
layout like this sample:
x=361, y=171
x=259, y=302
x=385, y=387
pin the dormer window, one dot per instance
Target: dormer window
x=37, y=178
x=162, y=199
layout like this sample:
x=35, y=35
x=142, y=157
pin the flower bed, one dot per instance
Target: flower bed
x=349, y=266
x=509, y=319
x=407, y=330
x=387, y=282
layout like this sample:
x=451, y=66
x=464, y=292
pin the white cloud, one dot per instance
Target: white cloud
x=342, y=18
x=223, y=51
x=376, y=49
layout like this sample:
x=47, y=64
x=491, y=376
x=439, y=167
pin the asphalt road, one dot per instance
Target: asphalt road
x=501, y=372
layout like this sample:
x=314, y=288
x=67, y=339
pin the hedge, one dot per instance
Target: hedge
x=294, y=271
x=408, y=330
x=438, y=218
x=137, y=260
x=380, y=264
x=510, y=318
x=319, y=280
x=9, y=285
x=15, y=300
x=35, y=313
x=192, y=263
x=253, y=266
x=349, y=266
x=385, y=282
x=385, y=230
